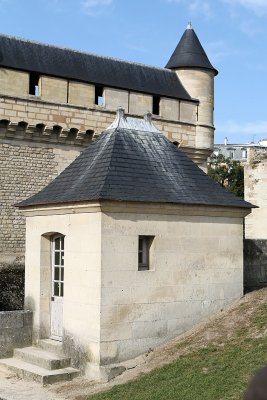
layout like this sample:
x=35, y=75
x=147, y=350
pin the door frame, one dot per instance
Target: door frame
x=57, y=299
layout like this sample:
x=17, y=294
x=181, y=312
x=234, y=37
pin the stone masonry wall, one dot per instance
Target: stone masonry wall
x=34, y=111
x=255, y=245
x=25, y=169
x=15, y=331
x=255, y=181
x=255, y=264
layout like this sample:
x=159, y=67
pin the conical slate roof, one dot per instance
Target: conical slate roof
x=190, y=53
x=133, y=161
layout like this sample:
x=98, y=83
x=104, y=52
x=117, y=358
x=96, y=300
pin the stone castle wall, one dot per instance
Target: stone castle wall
x=255, y=181
x=25, y=169
x=41, y=134
x=255, y=245
x=35, y=111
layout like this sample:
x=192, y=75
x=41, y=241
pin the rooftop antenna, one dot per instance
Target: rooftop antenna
x=253, y=138
x=189, y=25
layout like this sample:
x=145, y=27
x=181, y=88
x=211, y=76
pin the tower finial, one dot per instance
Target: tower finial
x=189, y=25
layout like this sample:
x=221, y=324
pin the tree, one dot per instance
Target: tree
x=228, y=173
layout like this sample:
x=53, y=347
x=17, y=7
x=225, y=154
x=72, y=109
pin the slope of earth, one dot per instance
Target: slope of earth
x=215, y=361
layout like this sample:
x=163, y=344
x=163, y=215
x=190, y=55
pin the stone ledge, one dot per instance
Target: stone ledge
x=44, y=133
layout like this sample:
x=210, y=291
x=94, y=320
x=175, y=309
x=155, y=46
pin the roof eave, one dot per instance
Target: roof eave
x=177, y=67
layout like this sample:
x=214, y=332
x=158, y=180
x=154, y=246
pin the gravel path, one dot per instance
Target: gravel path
x=12, y=388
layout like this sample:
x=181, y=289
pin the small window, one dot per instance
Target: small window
x=34, y=84
x=155, y=108
x=231, y=154
x=144, y=246
x=244, y=153
x=99, y=95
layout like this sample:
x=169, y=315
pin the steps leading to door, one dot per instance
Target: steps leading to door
x=41, y=358
x=42, y=375
x=52, y=346
x=41, y=365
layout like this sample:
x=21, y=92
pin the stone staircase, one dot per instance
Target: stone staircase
x=44, y=364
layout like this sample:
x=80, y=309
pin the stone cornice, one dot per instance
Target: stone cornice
x=197, y=154
x=43, y=133
x=136, y=208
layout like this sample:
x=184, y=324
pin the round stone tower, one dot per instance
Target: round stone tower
x=196, y=73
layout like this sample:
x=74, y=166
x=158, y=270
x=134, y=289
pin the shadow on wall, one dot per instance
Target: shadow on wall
x=255, y=264
x=11, y=288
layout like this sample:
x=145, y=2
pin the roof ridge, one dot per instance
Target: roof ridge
x=87, y=52
x=110, y=159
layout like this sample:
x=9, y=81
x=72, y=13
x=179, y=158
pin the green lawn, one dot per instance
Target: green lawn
x=219, y=370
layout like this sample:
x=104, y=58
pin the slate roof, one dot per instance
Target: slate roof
x=71, y=64
x=190, y=53
x=133, y=161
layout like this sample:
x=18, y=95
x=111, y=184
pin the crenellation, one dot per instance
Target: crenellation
x=52, y=88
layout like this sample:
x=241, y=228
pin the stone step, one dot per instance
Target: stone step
x=41, y=375
x=41, y=358
x=53, y=346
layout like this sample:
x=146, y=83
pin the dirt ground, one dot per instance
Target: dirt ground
x=217, y=329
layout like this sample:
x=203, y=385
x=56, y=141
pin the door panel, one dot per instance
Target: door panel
x=57, y=287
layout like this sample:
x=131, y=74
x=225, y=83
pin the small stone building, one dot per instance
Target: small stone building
x=129, y=246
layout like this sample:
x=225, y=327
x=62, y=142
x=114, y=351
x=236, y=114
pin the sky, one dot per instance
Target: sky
x=232, y=32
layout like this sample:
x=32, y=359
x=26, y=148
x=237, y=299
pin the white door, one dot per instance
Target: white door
x=57, y=287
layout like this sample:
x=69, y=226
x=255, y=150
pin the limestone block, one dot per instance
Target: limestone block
x=109, y=350
x=81, y=94
x=53, y=89
x=188, y=112
x=144, y=330
x=169, y=109
x=14, y=82
x=140, y=103
x=114, y=332
x=114, y=98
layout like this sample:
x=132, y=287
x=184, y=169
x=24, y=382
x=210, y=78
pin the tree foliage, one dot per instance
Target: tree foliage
x=228, y=173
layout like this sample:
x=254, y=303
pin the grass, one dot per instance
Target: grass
x=219, y=369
